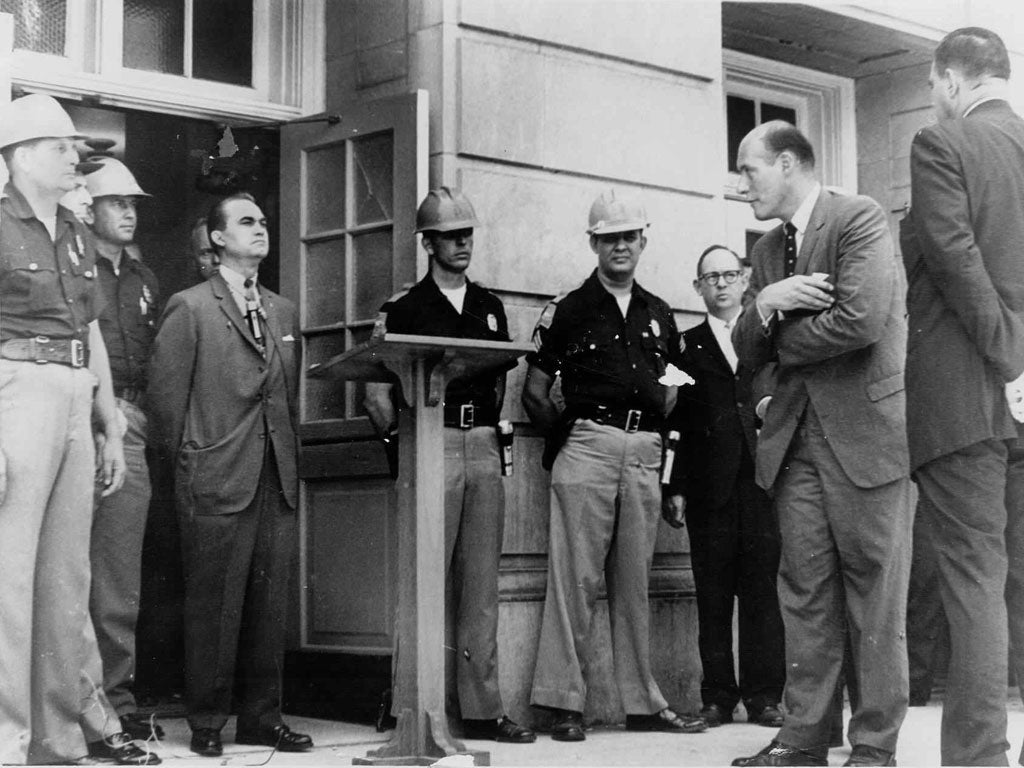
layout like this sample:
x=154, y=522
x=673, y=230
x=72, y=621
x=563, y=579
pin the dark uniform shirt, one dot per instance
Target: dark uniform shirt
x=605, y=359
x=47, y=287
x=425, y=311
x=128, y=318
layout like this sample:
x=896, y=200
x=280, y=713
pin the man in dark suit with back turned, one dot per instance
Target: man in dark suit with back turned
x=734, y=539
x=963, y=247
x=223, y=387
x=826, y=303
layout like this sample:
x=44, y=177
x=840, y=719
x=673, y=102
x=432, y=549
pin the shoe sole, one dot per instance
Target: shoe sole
x=569, y=736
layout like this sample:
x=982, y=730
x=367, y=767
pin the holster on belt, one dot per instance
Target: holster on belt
x=555, y=439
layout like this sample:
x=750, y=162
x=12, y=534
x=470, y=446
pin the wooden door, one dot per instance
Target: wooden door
x=350, y=184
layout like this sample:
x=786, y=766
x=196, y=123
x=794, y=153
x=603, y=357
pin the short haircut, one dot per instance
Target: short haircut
x=976, y=52
x=712, y=249
x=780, y=136
x=216, y=219
x=8, y=152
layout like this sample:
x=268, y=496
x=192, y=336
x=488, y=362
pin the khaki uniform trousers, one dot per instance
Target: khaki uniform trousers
x=46, y=439
x=605, y=507
x=474, y=510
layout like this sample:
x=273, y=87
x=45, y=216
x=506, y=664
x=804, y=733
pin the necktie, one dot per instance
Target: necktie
x=253, y=311
x=790, y=249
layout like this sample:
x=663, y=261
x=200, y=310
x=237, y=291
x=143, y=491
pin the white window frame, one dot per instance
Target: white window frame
x=288, y=66
x=824, y=105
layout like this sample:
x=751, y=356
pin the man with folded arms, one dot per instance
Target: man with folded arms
x=826, y=305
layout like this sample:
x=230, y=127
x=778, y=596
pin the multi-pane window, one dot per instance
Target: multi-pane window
x=744, y=114
x=39, y=25
x=194, y=38
x=349, y=261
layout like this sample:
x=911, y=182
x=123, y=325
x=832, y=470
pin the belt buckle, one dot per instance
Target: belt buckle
x=633, y=417
x=35, y=351
x=466, y=416
x=77, y=353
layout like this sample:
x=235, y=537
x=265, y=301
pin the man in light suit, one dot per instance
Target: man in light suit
x=734, y=539
x=223, y=387
x=962, y=247
x=826, y=303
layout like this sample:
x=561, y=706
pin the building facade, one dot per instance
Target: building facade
x=340, y=114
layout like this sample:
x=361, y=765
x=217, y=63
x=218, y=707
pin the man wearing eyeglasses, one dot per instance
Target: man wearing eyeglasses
x=609, y=340
x=734, y=539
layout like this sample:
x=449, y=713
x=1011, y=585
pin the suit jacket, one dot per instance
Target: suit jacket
x=216, y=400
x=715, y=419
x=963, y=248
x=846, y=361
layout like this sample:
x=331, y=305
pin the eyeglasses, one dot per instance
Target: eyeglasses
x=712, y=278
x=613, y=238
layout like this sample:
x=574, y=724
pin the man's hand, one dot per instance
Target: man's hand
x=110, y=466
x=1015, y=398
x=673, y=505
x=797, y=292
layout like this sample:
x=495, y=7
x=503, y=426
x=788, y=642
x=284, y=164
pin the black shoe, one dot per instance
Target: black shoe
x=769, y=716
x=280, y=737
x=206, y=742
x=567, y=726
x=666, y=720
x=865, y=754
x=715, y=715
x=777, y=753
x=503, y=729
x=919, y=698
x=120, y=749
x=141, y=727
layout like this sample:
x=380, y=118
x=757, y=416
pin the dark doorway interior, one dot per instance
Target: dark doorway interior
x=185, y=164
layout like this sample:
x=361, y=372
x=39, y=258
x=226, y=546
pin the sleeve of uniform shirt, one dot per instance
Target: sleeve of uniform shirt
x=549, y=338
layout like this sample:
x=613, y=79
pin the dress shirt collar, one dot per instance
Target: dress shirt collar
x=802, y=217
x=979, y=102
x=235, y=280
x=717, y=323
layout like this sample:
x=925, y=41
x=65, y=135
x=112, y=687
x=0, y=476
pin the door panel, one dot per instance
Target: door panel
x=349, y=190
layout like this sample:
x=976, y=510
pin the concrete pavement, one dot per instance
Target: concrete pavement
x=337, y=743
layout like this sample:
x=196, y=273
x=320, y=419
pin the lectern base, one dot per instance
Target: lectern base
x=406, y=748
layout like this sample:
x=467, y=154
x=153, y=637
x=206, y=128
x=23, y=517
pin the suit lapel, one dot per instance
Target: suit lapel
x=707, y=338
x=273, y=323
x=229, y=307
x=814, y=225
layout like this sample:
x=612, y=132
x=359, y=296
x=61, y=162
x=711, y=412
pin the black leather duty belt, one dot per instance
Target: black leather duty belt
x=629, y=420
x=468, y=415
x=43, y=349
x=134, y=395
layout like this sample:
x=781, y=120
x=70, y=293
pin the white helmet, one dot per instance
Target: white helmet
x=35, y=116
x=112, y=178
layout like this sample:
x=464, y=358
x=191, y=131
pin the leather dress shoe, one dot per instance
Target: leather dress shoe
x=141, y=727
x=206, y=742
x=865, y=754
x=777, y=753
x=715, y=715
x=120, y=749
x=503, y=729
x=567, y=726
x=769, y=716
x=666, y=720
x=280, y=737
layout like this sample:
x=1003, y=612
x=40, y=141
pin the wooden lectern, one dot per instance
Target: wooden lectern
x=424, y=365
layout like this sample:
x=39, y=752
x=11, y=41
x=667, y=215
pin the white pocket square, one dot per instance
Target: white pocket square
x=289, y=337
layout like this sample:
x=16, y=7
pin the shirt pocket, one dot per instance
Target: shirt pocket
x=33, y=281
